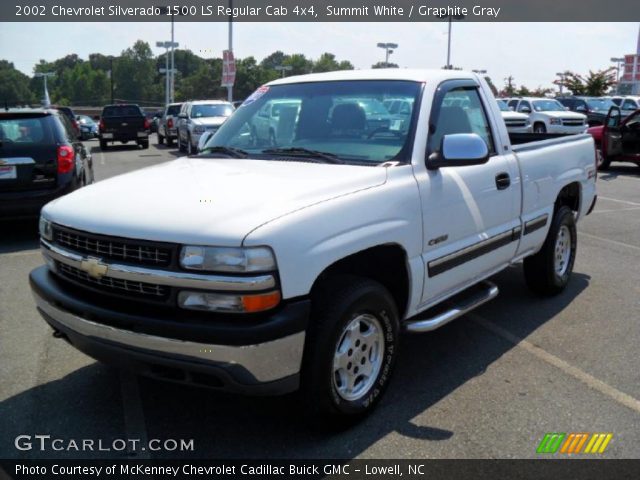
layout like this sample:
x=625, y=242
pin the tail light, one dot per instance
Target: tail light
x=170, y=123
x=65, y=158
x=147, y=125
x=74, y=124
x=101, y=125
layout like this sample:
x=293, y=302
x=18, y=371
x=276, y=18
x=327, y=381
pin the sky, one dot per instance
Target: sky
x=531, y=52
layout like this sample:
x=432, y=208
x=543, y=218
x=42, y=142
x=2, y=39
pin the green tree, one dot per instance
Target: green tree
x=385, y=65
x=595, y=84
x=14, y=86
x=134, y=73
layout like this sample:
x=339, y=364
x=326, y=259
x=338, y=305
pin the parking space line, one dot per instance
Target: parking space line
x=591, y=381
x=134, y=421
x=627, y=202
x=617, y=210
x=614, y=242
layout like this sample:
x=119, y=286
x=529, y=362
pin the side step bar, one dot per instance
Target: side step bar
x=453, y=308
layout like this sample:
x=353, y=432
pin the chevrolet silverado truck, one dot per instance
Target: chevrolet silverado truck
x=298, y=264
x=123, y=123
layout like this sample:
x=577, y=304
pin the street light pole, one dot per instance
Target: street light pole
x=46, y=102
x=561, y=75
x=111, y=77
x=230, y=87
x=619, y=61
x=388, y=48
x=170, y=73
x=283, y=68
x=451, y=18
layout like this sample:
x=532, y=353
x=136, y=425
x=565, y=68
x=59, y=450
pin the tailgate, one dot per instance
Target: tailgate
x=126, y=126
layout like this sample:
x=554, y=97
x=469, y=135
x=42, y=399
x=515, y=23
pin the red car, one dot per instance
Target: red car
x=618, y=140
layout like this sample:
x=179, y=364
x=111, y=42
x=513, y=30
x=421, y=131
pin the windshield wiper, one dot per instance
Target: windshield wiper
x=229, y=151
x=304, y=153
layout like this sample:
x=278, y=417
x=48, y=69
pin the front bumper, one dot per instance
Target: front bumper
x=259, y=365
x=567, y=129
x=526, y=129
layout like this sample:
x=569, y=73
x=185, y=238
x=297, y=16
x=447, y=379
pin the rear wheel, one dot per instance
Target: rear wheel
x=169, y=141
x=144, y=145
x=103, y=145
x=351, y=348
x=548, y=271
x=160, y=139
x=540, y=128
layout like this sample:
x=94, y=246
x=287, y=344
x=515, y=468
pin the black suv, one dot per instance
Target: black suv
x=41, y=158
x=595, y=108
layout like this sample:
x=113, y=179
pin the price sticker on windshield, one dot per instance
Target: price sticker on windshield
x=255, y=95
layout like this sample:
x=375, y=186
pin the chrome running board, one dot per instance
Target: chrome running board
x=455, y=307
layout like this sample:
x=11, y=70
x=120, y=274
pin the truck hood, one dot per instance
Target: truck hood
x=565, y=114
x=205, y=201
x=210, y=121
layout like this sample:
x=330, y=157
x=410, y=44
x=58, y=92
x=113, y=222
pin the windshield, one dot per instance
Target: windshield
x=548, y=106
x=201, y=111
x=339, y=118
x=600, y=104
x=503, y=106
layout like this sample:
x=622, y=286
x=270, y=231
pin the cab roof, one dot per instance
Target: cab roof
x=415, y=75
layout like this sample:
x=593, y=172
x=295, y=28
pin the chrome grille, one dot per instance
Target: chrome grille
x=111, y=248
x=572, y=122
x=115, y=284
x=516, y=123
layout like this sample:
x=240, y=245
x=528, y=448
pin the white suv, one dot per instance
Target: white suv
x=547, y=115
x=197, y=117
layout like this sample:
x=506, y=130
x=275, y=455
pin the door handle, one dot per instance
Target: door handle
x=503, y=181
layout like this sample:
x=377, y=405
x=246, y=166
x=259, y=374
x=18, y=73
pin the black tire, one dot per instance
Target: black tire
x=540, y=269
x=539, y=128
x=169, y=142
x=603, y=162
x=336, y=303
x=144, y=145
x=103, y=145
x=160, y=139
x=181, y=147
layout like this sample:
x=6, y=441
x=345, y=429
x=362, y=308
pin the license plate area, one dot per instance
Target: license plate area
x=8, y=172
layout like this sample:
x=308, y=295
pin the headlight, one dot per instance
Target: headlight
x=555, y=121
x=198, y=130
x=44, y=227
x=228, y=259
x=219, y=302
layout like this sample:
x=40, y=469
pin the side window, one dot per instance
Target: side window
x=628, y=105
x=512, y=104
x=68, y=129
x=524, y=107
x=461, y=111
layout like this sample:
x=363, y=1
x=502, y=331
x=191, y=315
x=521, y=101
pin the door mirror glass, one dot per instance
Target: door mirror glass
x=526, y=110
x=182, y=115
x=580, y=108
x=459, y=150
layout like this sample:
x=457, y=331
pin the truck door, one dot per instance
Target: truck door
x=612, y=135
x=630, y=137
x=470, y=214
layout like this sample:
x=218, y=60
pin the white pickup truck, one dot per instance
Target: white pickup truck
x=266, y=266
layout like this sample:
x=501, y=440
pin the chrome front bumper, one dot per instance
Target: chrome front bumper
x=265, y=362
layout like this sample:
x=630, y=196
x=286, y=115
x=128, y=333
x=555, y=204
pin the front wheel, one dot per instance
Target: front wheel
x=604, y=162
x=160, y=139
x=539, y=128
x=548, y=271
x=351, y=348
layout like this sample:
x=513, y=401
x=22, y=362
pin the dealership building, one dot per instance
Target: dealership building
x=630, y=79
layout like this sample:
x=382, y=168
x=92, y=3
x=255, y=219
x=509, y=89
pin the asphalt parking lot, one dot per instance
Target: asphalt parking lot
x=488, y=385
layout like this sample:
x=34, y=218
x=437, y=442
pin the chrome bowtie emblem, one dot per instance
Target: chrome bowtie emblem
x=94, y=267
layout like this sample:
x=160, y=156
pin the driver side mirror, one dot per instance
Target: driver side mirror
x=459, y=150
x=525, y=110
x=182, y=115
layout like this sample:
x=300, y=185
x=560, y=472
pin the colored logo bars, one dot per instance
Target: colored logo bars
x=574, y=443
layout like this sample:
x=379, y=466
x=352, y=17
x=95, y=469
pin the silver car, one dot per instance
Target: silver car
x=198, y=117
x=167, y=125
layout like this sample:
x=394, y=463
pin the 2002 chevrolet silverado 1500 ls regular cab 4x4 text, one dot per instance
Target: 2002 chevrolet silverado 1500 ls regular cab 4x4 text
x=295, y=261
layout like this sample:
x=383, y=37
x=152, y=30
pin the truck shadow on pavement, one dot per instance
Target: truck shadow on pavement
x=88, y=402
x=617, y=170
